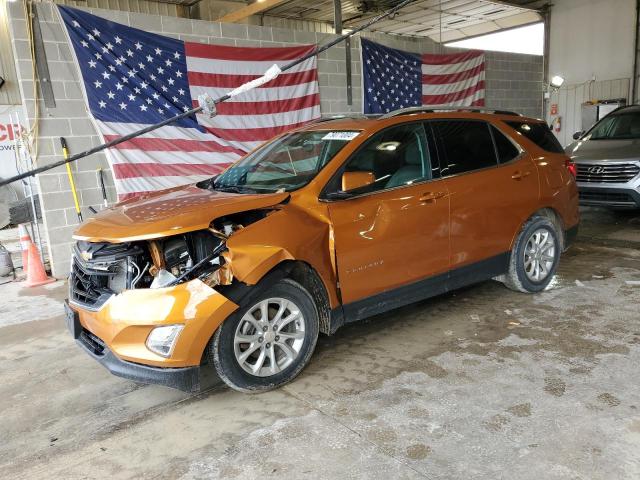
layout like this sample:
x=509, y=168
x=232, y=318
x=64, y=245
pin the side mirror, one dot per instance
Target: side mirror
x=578, y=135
x=353, y=180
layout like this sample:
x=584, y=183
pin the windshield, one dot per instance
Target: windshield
x=286, y=164
x=618, y=126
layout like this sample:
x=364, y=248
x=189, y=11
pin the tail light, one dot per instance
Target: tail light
x=573, y=170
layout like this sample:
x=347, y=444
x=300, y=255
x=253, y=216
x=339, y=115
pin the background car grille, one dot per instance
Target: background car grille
x=607, y=173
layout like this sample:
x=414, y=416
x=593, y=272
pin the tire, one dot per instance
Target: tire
x=236, y=361
x=521, y=276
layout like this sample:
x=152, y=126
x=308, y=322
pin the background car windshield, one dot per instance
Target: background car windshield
x=287, y=163
x=618, y=126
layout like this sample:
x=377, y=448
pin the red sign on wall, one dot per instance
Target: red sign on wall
x=554, y=109
x=8, y=131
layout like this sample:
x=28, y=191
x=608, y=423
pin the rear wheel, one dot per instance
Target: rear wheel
x=268, y=342
x=534, y=257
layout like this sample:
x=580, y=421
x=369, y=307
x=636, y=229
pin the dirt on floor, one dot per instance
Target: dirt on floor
x=481, y=383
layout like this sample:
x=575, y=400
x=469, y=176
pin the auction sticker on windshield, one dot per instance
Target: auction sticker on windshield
x=346, y=136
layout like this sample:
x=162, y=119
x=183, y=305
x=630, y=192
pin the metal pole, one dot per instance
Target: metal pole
x=337, y=16
x=27, y=187
x=35, y=226
x=634, y=78
x=105, y=201
x=545, y=60
x=337, y=25
x=199, y=109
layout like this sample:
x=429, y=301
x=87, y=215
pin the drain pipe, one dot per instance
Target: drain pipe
x=634, y=79
x=545, y=59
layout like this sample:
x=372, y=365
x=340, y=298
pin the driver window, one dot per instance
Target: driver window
x=392, y=158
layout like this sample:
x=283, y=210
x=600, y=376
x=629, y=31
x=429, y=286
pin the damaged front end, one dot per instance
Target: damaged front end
x=146, y=309
x=100, y=270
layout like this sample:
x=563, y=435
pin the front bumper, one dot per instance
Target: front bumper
x=607, y=196
x=115, y=334
x=187, y=379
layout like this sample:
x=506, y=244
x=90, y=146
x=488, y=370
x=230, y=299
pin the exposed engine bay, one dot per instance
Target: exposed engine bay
x=100, y=269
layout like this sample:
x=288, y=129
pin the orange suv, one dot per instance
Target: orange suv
x=322, y=226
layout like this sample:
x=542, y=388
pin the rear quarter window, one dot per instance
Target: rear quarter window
x=507, y=151
x=539, y=134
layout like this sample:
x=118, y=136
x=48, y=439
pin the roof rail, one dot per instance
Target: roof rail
x=445, y=108
x=339, y=117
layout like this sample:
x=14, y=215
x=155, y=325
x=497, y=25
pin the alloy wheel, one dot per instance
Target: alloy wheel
x=539, y=255
x=269, y=337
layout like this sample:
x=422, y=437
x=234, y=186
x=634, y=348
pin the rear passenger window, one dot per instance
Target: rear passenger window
x=507, y=151
x=539, y=134
x=465, y=145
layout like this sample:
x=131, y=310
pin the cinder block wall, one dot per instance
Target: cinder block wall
x=513, y=82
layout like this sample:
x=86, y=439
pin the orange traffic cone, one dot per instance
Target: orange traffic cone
x=25, y=240
x=36, y=274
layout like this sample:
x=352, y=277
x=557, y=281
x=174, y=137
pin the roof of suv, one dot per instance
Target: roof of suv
x=375, y=123
x=627, y=108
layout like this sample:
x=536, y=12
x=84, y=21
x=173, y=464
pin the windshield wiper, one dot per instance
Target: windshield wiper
x=233, y=188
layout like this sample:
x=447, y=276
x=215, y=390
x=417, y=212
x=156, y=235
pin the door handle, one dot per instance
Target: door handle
x=431, y=196
x=520, y=175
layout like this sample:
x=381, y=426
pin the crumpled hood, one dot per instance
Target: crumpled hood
x=169, y=212
x=604, y=150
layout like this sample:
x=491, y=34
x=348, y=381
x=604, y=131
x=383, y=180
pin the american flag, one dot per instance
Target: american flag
x=134, y=78
x=394, y=79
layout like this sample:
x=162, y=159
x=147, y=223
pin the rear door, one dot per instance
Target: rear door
x=493, y=188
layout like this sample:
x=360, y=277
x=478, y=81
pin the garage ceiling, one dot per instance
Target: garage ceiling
x=440, y=20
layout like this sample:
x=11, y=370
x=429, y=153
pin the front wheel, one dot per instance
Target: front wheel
x=267, y=343
x=534, y=257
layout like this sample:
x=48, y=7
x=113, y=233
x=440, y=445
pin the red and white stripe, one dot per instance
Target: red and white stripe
x=172, y=156
x=289, y=101
x=456, y=79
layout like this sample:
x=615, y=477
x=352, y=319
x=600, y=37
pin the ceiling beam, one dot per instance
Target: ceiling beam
x=252, y=9
x=534, y=6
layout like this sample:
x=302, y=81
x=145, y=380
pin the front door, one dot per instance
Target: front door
x=394, y=231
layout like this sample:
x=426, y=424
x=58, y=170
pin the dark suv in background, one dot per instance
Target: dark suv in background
x=608, y=160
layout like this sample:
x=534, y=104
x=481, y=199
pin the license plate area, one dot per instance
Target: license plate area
x=73, y=320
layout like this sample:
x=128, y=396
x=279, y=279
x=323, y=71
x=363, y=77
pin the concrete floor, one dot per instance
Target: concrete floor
x=480, y=383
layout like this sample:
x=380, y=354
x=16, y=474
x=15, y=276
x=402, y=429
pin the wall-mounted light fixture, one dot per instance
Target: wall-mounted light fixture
x=556, y=82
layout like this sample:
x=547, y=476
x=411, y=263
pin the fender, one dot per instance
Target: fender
x=255, y=250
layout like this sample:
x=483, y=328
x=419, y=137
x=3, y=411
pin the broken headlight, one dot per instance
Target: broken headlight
x=185, y=257
x=177, y=258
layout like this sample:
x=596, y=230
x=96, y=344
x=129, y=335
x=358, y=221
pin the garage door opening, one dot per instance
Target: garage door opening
x=528, y=39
